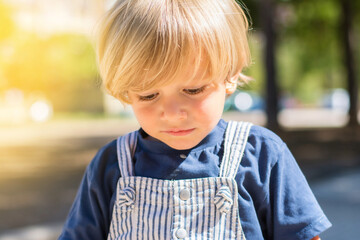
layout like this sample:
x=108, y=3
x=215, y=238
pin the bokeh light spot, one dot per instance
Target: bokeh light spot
x=40, y=111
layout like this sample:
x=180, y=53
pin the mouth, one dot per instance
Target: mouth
x=179, y=132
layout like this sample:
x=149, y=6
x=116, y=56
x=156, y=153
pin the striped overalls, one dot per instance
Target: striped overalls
x=202, y=208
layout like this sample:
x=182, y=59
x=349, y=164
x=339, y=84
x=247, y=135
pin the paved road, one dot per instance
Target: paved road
x=340, y=199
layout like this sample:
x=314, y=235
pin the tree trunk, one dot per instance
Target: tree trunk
x=267, y=15
x=348, y=50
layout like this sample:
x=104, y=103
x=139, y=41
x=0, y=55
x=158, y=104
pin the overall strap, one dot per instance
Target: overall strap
x=126, y=146
x=236, y=136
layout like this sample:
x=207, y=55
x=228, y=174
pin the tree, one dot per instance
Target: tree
x=349, y=60
x=301, y=37
x=267, y=13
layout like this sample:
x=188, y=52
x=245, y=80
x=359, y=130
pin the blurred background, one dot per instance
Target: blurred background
x=54, y=114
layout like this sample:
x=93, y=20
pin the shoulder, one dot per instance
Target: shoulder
x=105, y=162
x=256, y=134
x=265, y=136
x=105, y=154
x=263, y=151
x=108, y=149
x=264, y=144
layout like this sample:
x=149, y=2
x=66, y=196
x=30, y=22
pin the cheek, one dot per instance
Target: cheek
x=211, y=106
x=143, y=115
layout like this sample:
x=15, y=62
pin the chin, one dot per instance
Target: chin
x=182, y=146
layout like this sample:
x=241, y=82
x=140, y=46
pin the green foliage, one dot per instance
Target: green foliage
x=309, y=55
x=61, y=67
x=256, y=69
x=313, y=37
x=309, y=49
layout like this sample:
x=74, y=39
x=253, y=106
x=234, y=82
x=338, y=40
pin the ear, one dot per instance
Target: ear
x=231, y=84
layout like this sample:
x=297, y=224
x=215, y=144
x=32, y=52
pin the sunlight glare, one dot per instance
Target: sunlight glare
x=40, y=111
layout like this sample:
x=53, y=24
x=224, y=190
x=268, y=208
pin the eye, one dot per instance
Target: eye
x=194, y=91
x=148, y=97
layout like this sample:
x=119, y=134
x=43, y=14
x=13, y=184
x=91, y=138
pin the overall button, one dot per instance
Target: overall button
x=183, y=156
x=185, y=194
x=181, y=233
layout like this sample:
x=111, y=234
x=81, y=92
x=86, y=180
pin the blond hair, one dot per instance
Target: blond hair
x=144, y=43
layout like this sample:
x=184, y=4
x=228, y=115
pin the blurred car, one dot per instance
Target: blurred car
x=336, y=99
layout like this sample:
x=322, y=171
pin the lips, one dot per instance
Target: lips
x=179, y=132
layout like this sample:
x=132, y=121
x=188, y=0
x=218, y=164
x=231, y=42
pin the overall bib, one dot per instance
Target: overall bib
x=202, y=208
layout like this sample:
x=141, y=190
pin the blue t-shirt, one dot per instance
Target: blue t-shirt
x=275, y=201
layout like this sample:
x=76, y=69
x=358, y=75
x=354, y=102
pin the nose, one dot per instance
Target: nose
x=173, y=110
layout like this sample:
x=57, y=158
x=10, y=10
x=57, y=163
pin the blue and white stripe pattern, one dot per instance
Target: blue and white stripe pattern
x=126, y=146
x=148, y=208
x=223, y=199
x=235, y=140
x=127, y=197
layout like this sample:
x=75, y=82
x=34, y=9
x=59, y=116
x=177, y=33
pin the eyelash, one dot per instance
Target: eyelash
x=194, y=91
x=191, y=91
x=148, y=97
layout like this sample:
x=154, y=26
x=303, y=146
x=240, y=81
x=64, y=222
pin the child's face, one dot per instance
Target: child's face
x=181, y=114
